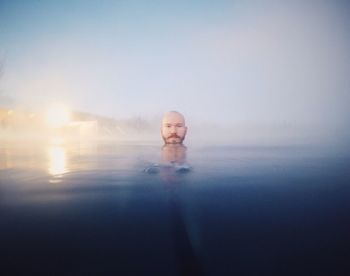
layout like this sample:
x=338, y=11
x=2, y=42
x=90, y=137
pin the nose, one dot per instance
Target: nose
x=173, y=129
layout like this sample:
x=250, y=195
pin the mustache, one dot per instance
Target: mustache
x=174, y=135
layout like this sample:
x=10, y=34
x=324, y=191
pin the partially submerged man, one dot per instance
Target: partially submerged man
x=173, y=163
x=173, y=130
x=173, y=153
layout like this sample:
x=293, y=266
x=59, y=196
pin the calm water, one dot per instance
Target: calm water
x=92, y=209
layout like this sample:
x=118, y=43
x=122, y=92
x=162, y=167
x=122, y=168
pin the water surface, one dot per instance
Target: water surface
x=91, y=208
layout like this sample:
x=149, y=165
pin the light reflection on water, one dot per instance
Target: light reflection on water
x=62, y=158
x=57, y=163
x=61, y=162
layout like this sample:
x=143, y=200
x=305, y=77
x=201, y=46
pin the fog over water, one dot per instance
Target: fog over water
x=250, y=72
x=261, y=186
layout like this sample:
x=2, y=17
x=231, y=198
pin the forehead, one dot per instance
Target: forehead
x=173, y=118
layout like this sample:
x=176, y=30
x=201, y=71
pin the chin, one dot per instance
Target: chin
x=173, y=141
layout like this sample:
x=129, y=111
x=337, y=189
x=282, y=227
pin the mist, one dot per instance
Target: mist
x=241, y=72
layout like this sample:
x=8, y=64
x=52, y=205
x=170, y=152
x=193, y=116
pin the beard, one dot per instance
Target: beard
x=173, y=139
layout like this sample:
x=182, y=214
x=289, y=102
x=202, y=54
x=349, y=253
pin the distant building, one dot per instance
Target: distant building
x=80, y=125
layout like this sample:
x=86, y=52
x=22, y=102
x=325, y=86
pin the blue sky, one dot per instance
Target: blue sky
x=225, y=62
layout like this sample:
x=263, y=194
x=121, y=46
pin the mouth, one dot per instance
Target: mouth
x=173, y=139
x=173, y=136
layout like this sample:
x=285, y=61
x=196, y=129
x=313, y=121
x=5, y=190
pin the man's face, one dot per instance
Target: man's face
x=173, y=128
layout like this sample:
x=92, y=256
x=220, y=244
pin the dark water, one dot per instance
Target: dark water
x=92, y=209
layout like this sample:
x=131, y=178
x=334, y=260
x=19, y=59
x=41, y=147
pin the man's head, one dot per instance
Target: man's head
x=173, y=128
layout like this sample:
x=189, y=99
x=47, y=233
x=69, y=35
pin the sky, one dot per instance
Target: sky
x=217, y=62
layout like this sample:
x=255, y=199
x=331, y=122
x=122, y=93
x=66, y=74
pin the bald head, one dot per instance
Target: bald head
x=173, y=128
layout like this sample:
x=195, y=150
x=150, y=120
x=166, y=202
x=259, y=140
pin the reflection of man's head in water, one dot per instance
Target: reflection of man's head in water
x=173, y=128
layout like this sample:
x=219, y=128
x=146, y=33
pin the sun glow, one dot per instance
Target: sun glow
x=57, y=116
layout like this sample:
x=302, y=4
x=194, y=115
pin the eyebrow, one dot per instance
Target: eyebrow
x=175, y=124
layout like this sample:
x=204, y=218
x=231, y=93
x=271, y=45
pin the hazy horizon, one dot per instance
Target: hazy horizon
x=226, y=64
